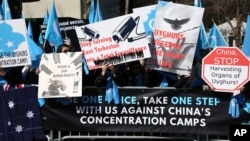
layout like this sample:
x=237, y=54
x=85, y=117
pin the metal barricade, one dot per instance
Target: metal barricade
x=74, y=136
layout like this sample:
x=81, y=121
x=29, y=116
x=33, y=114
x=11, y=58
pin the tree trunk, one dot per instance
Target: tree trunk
x=127, y=7
x=237, y=32
x=238, y=36
x=85, y=6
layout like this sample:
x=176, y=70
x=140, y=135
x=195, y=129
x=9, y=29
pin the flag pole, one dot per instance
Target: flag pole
x=44, y=42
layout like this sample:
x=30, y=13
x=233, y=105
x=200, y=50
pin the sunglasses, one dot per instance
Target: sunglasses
x=65, y=51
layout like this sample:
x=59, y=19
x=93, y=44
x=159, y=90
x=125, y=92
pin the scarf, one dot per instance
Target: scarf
x=234, y=109
x=235, y=103
x=112, y=93
x=85, y=67
x=164, y=82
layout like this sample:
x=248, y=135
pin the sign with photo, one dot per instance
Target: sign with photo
x=61, y=75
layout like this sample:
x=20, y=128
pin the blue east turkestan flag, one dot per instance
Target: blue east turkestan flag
x=246, y=42
x=35, y=52
x=198, y=3
x=10, y=40
x=22, y=15
x=215, y=37
x=112, y=93
x=6, y=10
x=45, y=21
x=202, y=42
x=149, y=23
x=53, y=33
x=29, y=30
x=95, y=14
x=1, y=14
x=2, y=81
x=20, y=117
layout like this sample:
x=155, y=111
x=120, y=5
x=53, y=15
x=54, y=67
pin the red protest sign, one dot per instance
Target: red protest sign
x=225, y=69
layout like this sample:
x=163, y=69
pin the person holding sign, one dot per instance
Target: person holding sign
x=194, y=80
x=114, y=71
x=12, y=76
x=64, y=48
x=158, y=78
x=110, y=76
x=135, y=73
x=26, y=74
x=88, y=79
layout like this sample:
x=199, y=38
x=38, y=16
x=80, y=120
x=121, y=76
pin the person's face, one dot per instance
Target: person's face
x=136, y=69
x=65, y=49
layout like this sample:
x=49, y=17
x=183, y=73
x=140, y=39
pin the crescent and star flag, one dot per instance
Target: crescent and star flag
x=53, y=33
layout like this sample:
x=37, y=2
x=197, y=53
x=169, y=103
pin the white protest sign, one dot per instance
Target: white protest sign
x=61, y=75
x=115, y=41
x=14, y=49
x=225, y=69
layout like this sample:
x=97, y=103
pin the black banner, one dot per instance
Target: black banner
x=144, y=110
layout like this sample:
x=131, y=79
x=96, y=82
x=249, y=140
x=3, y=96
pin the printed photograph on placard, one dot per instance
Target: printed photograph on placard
x=61, y=75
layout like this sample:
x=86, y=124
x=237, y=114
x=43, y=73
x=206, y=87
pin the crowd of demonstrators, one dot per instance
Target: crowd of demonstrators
x=194, y=79
x=25, y=74
x=8, y=75
x=187, y=81
x=134, y=73
x=20, y=75
x=114, y=72
x=29, y=75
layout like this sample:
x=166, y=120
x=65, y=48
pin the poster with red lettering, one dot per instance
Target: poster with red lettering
x=174, y=37
x=113, y=41
x=225, y=69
